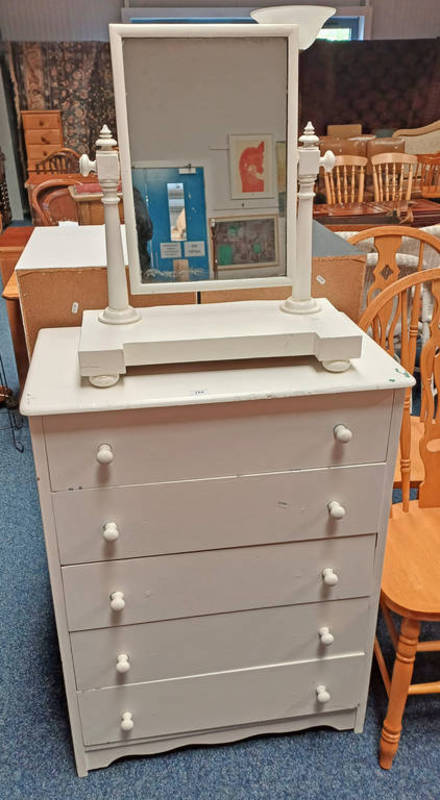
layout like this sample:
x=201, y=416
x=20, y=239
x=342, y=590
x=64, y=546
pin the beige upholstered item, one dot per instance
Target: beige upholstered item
x=421, y=140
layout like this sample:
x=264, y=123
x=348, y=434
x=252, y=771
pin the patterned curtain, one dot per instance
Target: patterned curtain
x=381, y=84
x=73, y=77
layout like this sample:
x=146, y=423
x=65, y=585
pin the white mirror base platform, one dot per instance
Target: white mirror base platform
x=215, y=332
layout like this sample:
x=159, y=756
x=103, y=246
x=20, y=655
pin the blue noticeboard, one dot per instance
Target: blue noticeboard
x=176, y=204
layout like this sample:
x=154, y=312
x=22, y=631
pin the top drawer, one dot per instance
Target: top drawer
x=41, y=119
x=207, y=441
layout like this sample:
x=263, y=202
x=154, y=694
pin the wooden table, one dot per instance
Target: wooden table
x=90, y=208
x=359, y=216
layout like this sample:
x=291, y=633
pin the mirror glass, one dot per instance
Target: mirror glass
x=207, y=131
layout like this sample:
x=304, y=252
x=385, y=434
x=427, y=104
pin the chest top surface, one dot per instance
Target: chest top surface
x=54, y=385
x=67, y=246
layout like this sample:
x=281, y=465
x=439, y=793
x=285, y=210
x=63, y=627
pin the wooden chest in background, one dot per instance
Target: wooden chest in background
x=43, y=135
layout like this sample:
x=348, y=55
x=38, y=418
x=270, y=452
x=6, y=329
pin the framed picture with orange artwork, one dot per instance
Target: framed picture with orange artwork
x=251, y=164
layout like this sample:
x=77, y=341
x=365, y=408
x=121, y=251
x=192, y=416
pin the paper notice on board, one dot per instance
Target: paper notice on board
x=170, y=250
x=194, y=249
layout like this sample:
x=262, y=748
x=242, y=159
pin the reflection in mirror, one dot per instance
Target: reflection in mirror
x=208, y=156
x=176, y=209
x=175, y=204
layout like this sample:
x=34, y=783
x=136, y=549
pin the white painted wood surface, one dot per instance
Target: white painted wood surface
x=203, y=515
x=218, y=642
x=54, y=386
x=242, y=607
x=216, y=581
x=217, y=700
x=101, y=756
x=216, y=440
x=67, y=247
x=106, y=166
x=215, y=332
x=121, y=34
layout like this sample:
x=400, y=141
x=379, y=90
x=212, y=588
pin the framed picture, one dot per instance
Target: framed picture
x=251, y=164
x=245, y=241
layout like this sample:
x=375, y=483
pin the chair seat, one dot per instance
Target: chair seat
x=417, y=469
x=411, y=574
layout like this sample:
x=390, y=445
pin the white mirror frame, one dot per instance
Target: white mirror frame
x=288, y=32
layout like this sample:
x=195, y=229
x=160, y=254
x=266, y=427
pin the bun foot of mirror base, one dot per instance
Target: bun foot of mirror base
x=114, y=316
x=103, y=381
x=292, y=306
x=336, y=366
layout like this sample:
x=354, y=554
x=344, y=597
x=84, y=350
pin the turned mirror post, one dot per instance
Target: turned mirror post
x=309, y=162
x=106, y=165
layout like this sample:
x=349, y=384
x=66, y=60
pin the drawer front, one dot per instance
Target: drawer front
x=210, y=514
x=216, y=643
x=220, y=700
x=36, y=152
x=207, y=441
x=41, y=120
x=44, y=136
x=193, y=584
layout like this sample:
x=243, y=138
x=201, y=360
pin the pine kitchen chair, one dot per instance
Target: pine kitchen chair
x=346, y=182
x=411, y=574
x=393, y=176
x=387, y=241
x=430, y=176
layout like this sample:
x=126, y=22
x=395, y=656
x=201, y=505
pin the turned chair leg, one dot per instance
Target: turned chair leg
x=400, y=682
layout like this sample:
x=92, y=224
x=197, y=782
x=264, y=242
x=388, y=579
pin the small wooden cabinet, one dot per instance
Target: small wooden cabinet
x=215, y=542
x=43, y=135
x=12, y=243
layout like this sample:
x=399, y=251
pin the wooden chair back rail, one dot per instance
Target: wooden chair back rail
x=430, y=175
x=388, y=308
x=63, y=161
x=346, y=182
x=429, y=492
x=393, y=175
x=387, y=241
x=47, y=191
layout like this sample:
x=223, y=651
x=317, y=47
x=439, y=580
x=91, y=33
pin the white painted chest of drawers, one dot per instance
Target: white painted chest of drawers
x=214, y=548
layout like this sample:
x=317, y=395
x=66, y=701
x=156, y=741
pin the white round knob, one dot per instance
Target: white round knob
x=322, y=695
x=326, y=637
x=104, y=454
x=122, y=663
x=329, y=577
x=328, y=160
x=117, y=602
x=342, y=434
x=335, y=510
x=110, y=531
x=86, y=165
x=127, y=723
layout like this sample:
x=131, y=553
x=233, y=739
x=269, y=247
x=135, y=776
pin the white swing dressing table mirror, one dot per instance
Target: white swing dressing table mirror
x=246, y=223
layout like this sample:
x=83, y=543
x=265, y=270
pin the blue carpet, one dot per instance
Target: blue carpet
x=36, y=760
